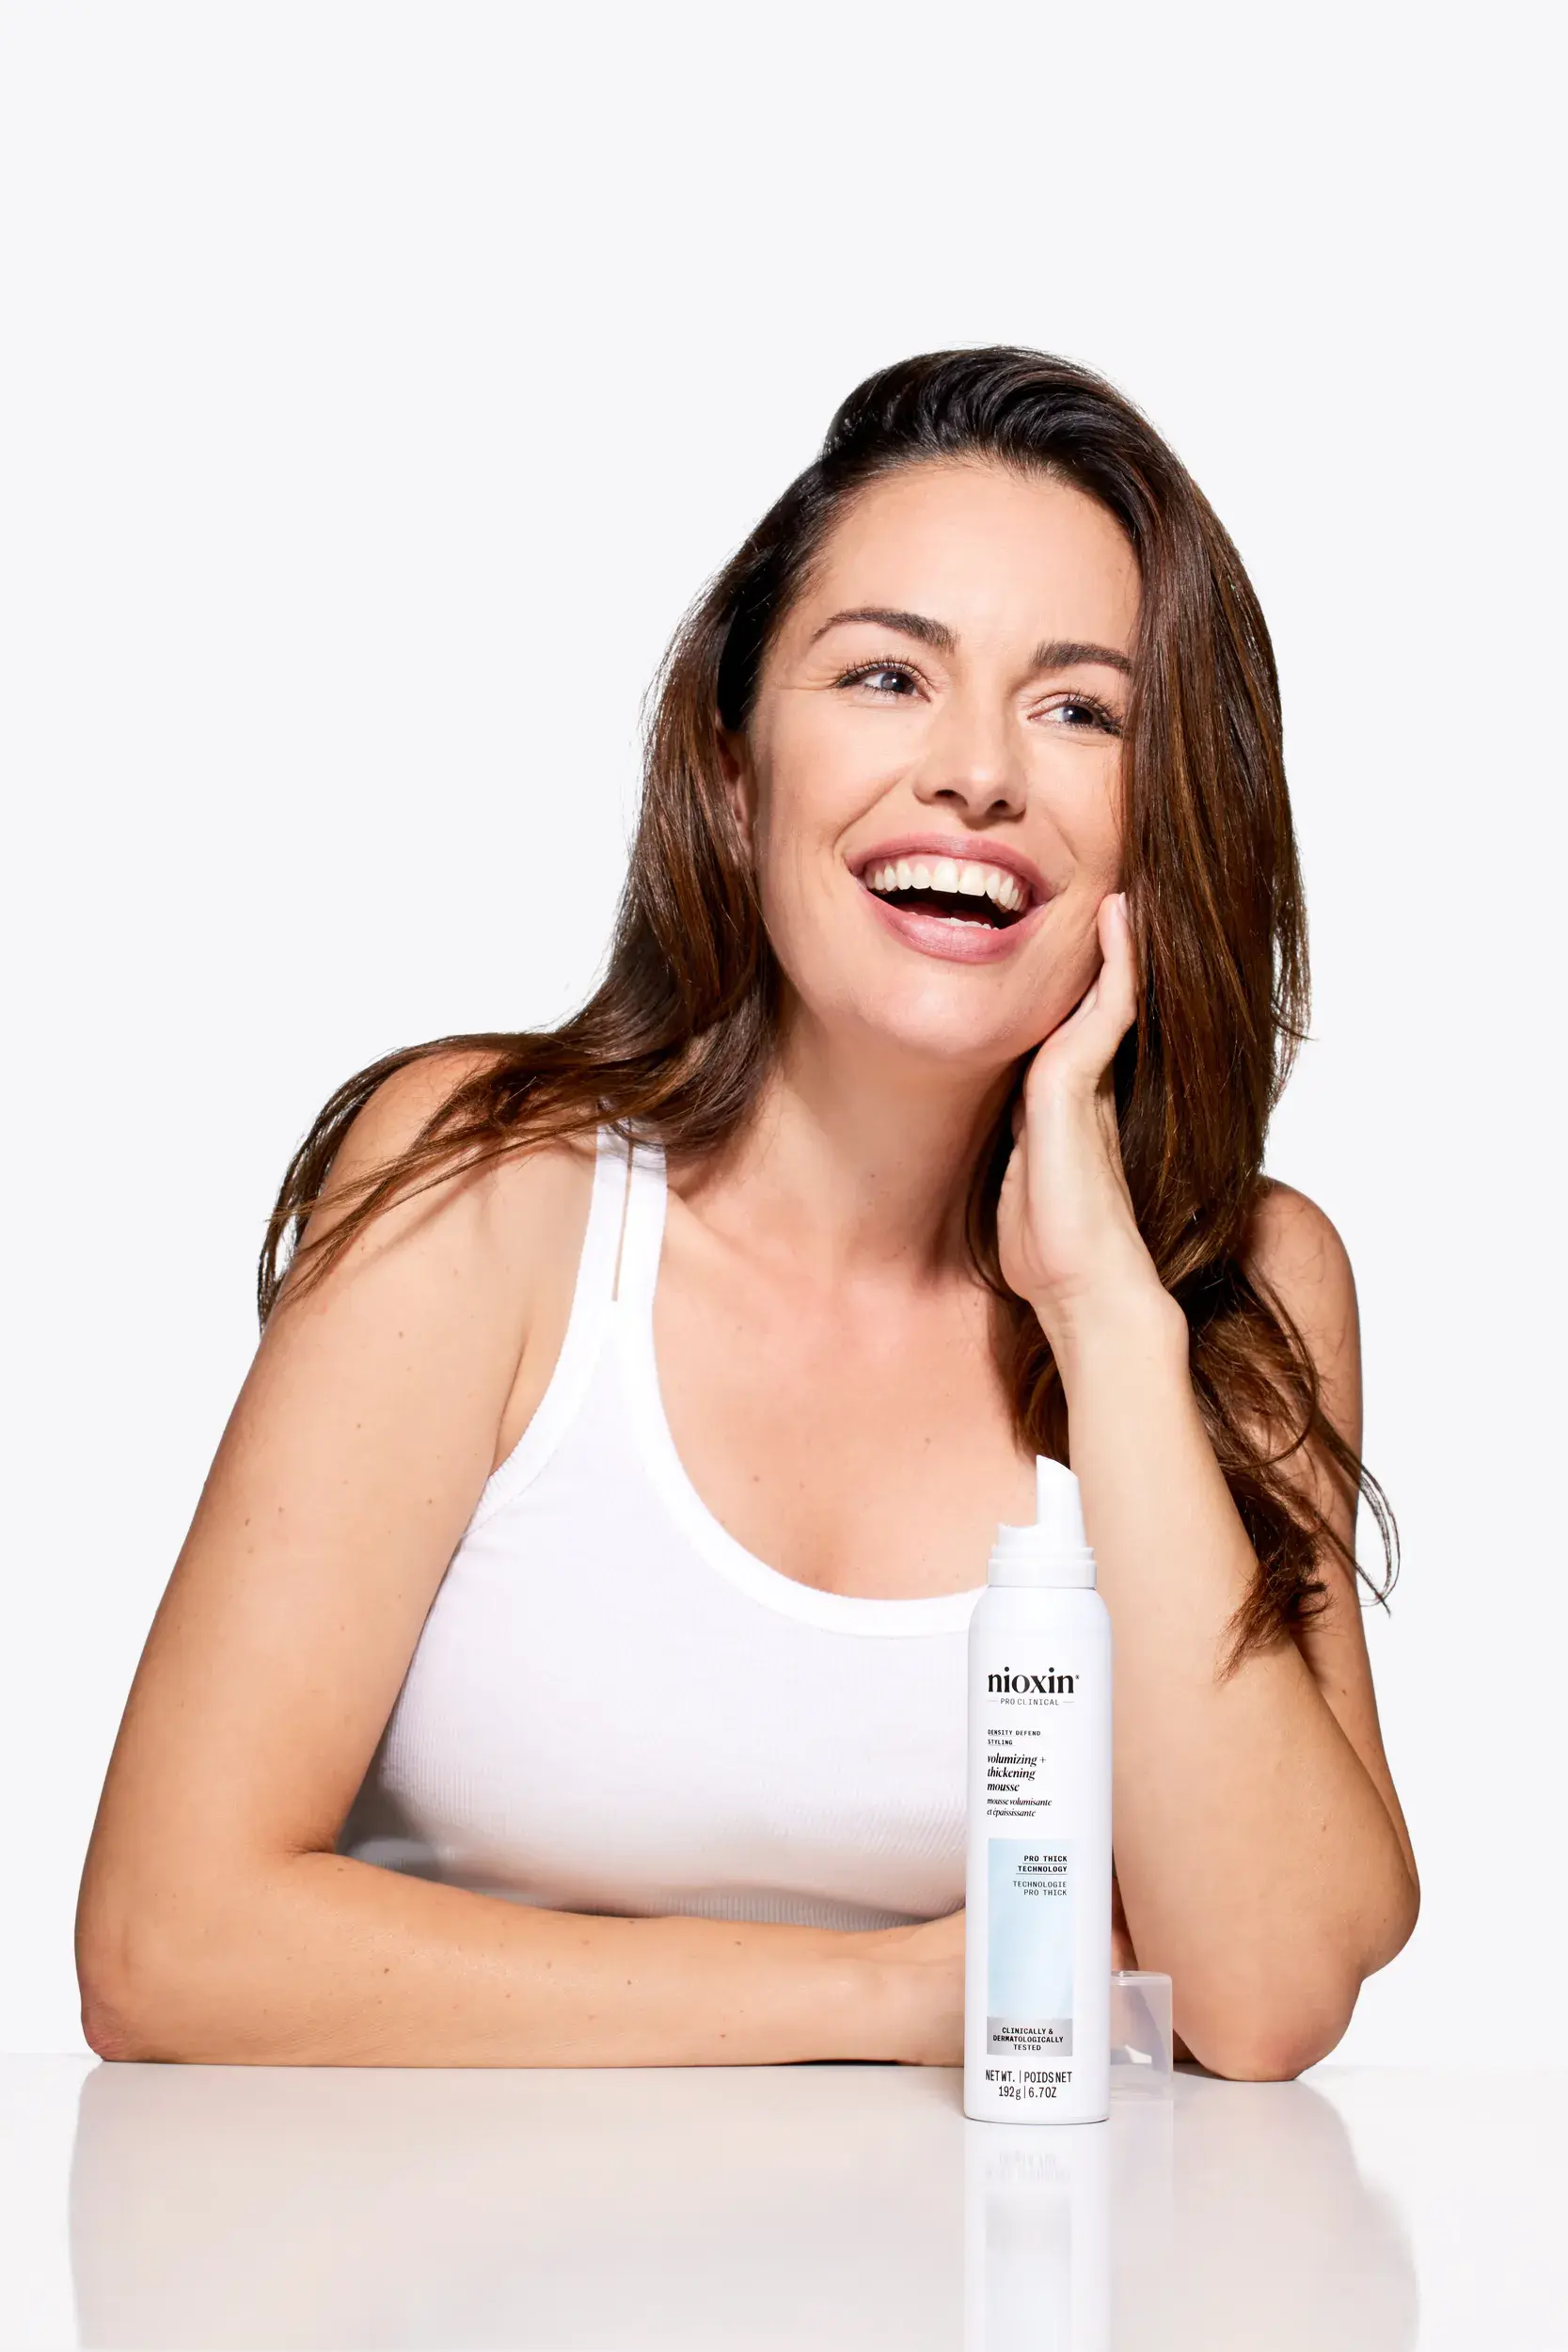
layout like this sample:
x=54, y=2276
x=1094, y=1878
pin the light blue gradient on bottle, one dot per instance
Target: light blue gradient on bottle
x=1030, y=1921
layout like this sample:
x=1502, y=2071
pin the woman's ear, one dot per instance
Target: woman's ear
x=735, y=768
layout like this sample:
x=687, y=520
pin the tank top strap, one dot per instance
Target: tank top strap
x=641, y=1228
x=599, y=1262
x=593, y=1297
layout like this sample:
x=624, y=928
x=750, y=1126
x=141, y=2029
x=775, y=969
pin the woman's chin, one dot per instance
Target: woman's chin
x=946, y=1040
x=950, y=1029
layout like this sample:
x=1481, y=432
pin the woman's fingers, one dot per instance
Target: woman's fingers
x=1086, y=1041
x=1118, y=973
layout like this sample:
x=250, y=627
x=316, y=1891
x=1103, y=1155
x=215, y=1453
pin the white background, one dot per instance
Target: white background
x=381, y=381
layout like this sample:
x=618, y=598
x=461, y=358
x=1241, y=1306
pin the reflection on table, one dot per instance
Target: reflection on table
x=737, y=2207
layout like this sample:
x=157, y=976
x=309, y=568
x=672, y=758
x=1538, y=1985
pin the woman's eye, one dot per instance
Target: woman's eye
x=1079, y=713
x=883, y=677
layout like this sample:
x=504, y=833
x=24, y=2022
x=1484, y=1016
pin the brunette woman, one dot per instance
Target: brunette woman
x=566, y=1663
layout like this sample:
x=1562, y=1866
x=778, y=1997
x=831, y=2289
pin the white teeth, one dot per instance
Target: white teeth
x=955, y=877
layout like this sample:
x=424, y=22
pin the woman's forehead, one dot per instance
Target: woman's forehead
x=977, y=547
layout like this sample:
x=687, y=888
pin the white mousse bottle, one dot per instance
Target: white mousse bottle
x=1038, y=1924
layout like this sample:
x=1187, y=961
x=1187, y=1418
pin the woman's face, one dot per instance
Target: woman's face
x=931, y=776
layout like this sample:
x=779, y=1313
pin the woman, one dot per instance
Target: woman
x=565, y=1664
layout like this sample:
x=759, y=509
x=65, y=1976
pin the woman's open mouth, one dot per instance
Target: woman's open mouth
x=964, y=910
x=961, y=889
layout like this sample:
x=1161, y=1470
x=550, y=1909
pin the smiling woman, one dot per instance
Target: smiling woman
x=998, y=696
x=566, y=1663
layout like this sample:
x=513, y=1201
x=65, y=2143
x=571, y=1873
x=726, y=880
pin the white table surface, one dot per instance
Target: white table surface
x=820, y=2207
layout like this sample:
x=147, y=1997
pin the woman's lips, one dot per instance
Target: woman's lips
x=953, y=941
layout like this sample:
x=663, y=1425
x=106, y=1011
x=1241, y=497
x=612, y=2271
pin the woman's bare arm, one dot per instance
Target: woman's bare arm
x=216, y=1921
x=1262, y=1857
x=1261, y=1854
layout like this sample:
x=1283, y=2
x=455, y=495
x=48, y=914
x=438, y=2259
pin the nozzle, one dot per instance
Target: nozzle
x=1058, y=1505
x=1056, y=1551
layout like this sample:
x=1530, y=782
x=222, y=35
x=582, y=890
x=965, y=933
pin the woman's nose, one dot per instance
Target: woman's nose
x=972, y=763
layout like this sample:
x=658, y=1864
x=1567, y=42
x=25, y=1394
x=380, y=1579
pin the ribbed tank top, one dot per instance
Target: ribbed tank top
x=614, y=1707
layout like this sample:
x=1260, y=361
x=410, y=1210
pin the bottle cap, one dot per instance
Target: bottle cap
x=1055, y=1549
x=1141, y=2044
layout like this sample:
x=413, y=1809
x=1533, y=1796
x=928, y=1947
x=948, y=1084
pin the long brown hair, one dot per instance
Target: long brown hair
x=676, y=1042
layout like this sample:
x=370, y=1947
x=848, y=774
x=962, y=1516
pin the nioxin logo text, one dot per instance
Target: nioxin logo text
x=1051, y=1684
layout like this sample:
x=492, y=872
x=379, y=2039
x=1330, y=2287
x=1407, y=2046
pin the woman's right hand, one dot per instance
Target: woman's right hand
x=923, y=1969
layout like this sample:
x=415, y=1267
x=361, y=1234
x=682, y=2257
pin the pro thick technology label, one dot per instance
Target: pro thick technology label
x=1029, y=1922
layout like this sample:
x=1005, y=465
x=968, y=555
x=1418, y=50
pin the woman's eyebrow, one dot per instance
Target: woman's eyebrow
x=1065, y=653
x=930, y=632
x=1056, y=653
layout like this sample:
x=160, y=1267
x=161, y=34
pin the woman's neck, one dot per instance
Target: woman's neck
x=854, y=1161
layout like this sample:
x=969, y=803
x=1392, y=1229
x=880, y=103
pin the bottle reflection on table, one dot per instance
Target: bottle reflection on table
x=229, y=2207
x=1038, y=2233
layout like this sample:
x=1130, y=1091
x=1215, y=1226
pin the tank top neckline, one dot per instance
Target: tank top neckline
x=612, y=1306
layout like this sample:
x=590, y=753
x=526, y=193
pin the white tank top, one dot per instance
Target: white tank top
x=614, y=1707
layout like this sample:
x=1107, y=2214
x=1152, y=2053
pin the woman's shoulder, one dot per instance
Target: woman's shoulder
x=525, y=1202
x=1294, y=1246
x=1295, y=1254
x=403, y=1104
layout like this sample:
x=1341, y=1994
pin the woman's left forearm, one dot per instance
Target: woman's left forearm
x=1258, y=1863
